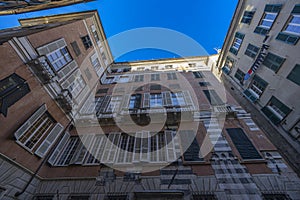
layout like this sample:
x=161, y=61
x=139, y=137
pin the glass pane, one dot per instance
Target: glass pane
x=270, y=16
x=296, y=20
x=267, y=23
x=293, y=28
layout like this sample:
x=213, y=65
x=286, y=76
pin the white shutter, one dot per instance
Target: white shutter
x=104, y=104
x=167, y=101
x=187, y=98
x=137, y=147
x=125, y=102
x=171, y=156
x=146, y=102
x=36, y=115
x=145, y=146
x=49, y=140
x=52, y=46
x=58, y=149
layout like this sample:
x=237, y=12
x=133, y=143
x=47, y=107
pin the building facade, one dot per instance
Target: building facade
x=76, y=125
x=260, y=58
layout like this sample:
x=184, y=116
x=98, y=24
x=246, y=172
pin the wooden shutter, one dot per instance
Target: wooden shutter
x=36, y=115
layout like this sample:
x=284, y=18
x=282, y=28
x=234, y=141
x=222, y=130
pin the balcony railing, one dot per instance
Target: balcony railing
x=42, y=69
x=64, y=99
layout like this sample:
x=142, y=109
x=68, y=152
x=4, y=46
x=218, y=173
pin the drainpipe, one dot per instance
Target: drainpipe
x=17, y=194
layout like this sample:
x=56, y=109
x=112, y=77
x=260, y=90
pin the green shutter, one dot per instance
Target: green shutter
x=260, y=81
x=273, y=8
x=261, y=30
x=295, y=75
x=239, y=35
x=233, y=50
x=296, y=9
x=274, y=119
x=288, y=38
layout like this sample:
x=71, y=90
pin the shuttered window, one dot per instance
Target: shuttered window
x=171, y=76
x=243, y=144
x=294, y=75
x=86, y=40
x=12, y=89
x=247, y=17
x=237, y=42
x=275, y=110
x=251, y=51
x=273, y=62
x=213, y=97
x=239, y=75
x=75, y=48
x=268, y=19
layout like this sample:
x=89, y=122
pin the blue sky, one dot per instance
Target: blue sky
x=206, y=22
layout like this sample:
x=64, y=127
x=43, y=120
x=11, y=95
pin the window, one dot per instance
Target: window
x=140, y=69
x=59, y=58
x=102, y=91
x=273, y=62
x=95, y=33
x=275, y=196
x=291, y=31
x=88, y=74
x=12, y=89
x=293, y=26
x=86, y=40
x=177, y=99
x=213, y=97
x=75, y=48
x=154, y=68
x=114, y=104
x=295, y=75
x=168, y=66
x=96, y=64
x=239, y=75
x=39, y=132
x=247, y=18
x=79, y=197
x=174, y=86
x=275, y=110
x=251, y=51
x=155, y=77
x=171, y=76
x=198, y=74
x=155, y=100
x=258, y=86
x=243, y=144
x=135, y=101
x=155, y=87
x=237, y=42
x=76, y=86
x=116, y=197
x=266, y=23
x=204, y=84
x=33, y=135
x=138, y=78
x=191, y=65
x=43, y=197
x=103, y=56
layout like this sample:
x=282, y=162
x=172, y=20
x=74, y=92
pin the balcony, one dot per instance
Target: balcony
x=42, y=69
x=64, y=99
